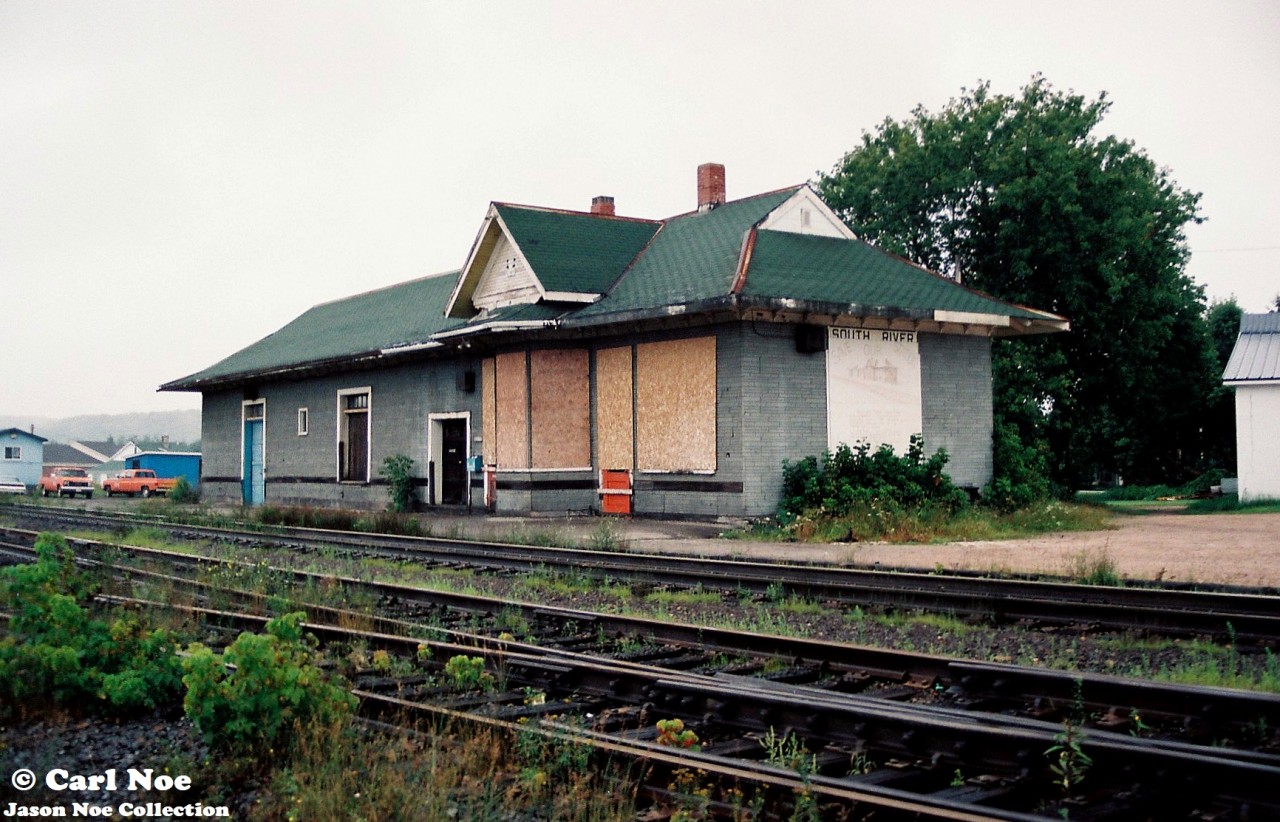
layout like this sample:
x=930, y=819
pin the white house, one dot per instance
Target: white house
x=1254, y=372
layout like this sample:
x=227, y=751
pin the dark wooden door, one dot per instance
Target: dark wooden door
x=453, y=462
x=357, y=447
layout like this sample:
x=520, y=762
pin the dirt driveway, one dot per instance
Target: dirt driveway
x=1233, y=549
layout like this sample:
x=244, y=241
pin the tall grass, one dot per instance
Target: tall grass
x=449, y=772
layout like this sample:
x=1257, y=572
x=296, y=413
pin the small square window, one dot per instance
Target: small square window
x=303, y=422
x=13, y=452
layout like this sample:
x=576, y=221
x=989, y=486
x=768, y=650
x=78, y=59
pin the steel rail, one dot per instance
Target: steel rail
x=1173, y=774
x=1202, y=711
x=1246, y=618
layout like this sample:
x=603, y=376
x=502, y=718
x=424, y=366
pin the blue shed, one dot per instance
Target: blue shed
x=169, y=464
x=21, y=455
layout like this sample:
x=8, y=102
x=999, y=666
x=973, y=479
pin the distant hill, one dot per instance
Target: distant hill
x=180, y=426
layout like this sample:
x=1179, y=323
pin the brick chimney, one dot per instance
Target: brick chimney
x=602, y=205
x=710, y=186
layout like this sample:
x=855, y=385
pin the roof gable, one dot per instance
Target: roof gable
x=524, y=255
x=14, y=433
x=506, y=279
x=805, y=213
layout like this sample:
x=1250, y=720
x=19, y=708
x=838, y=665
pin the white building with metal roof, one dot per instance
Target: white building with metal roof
x=1254, y=372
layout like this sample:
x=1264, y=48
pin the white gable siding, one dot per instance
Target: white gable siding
x=1258, y=441
x=805, y=213
x=506, y=280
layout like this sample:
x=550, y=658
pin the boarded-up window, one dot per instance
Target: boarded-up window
x=511, y=387
x=488, y=412
x=560, y=405
x=676, y=405
x=613, y=408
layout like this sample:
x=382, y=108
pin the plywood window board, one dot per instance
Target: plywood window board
x=614, y=419
x=676, y=405
x=560, y=408
x=488, y=412
x=511, y=380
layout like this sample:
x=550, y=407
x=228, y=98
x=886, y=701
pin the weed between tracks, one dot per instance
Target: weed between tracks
x=776, y=611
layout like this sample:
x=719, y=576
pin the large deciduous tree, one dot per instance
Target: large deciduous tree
x=1020, y=197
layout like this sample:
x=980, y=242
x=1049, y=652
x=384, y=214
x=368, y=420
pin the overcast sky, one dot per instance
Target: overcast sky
x=180, y=179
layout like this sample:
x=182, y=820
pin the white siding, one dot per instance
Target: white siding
x=506, y=279
x=805, y=213
x=1258, y=441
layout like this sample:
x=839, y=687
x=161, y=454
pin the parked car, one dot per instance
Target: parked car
x=138, y=481
x=11, y=485
x=67, y=482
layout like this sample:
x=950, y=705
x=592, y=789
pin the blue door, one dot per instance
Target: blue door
x=253, y=484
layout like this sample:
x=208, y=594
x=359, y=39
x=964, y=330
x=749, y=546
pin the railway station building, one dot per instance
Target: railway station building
x=582, y=360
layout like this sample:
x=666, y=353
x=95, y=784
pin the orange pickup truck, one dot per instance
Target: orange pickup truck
x=137, y=481
x=66, y=482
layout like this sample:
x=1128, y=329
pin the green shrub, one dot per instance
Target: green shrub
x=274, y=685
x=857, y=477
x=183, y=493
x=398, y=470
x=468, y=673
x=1020, y=471
x=57, y=652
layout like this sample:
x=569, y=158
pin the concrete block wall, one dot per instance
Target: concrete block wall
x=770, y=407
x=784, y=415
x=220, y=442
x=955, y=375
x=302, y=469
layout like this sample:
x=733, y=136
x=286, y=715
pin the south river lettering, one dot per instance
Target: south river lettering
x=864, y=334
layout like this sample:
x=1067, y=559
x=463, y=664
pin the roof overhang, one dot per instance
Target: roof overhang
x=315, y=368
x=782, y=310
x=496, y=326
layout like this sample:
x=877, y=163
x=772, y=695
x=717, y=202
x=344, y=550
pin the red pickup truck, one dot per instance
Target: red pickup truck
x=138, y=481
x=66, y=482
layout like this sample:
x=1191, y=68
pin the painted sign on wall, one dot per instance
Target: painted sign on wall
x=873, y=387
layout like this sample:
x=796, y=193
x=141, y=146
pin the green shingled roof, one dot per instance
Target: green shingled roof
x=694, y=257
x=853, y=273
x=399, y=315
x=573, y=252
x=642, y=268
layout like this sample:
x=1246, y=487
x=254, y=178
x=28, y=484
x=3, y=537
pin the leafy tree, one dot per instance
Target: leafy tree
x=1019, y=197
x=1223, y=321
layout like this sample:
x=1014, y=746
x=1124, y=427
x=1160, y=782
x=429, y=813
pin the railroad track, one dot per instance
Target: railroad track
x=1241, y=618
x=733, y=710
x=876, y=755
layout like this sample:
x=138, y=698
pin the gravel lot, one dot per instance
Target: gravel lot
x=1158, y=543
